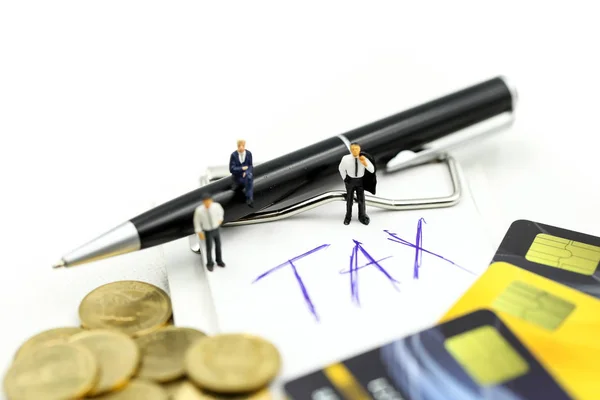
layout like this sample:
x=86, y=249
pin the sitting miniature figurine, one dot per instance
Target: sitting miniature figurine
x=208, y=218
x=240, y=166
x=358, y=172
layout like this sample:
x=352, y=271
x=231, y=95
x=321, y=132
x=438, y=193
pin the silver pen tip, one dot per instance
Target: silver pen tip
x=59, y=264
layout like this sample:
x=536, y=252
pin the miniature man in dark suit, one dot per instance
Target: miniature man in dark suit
x=358, y=172
x=208, y=218
x=242, y=169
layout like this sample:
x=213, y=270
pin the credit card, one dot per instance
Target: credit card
x=473, y=357
x=558, y=324
x=564, y=256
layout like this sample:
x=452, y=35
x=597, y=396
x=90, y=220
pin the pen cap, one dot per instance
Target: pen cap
x=413, y=128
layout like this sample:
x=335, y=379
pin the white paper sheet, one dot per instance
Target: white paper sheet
x=193, y=305
x=276, y=308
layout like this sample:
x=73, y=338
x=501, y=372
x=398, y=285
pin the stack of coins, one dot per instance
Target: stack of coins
x=127, y=348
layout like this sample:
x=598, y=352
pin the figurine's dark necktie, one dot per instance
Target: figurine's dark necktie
x=210, y=221
x=356, y=167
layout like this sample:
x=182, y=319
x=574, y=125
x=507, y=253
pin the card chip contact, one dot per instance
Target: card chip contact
x=486, y=356
x=533, y=305
x=564, y=254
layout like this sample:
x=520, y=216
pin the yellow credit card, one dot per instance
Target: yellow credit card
x=559, y=325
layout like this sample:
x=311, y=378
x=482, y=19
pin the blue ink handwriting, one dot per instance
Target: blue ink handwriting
x=290, y=263
x=354, y=268
x=419, y=250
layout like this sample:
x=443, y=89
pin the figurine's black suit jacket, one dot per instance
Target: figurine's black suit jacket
x=370, y=178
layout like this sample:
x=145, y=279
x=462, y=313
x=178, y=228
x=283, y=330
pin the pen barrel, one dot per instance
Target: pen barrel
x=290, y=175
x=413, y=128
x=274, y=181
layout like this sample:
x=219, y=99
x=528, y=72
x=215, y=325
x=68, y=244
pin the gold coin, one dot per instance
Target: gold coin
x=61, y=371
x=193, y=393
x=182, y=389
x=173, y=387
x=117, y=354
x=232, y=363
x=51, y=336
x=264, y=394
x=187, y=391
x=163, y=352
x=131, y=307
x=137, y=389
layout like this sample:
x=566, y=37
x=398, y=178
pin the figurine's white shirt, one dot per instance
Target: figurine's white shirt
x=242, y=156
x=208, y=219
x=348, y=167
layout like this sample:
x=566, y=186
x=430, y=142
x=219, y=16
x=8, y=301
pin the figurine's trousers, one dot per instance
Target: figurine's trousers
x=213, y=236
x=247, y=182
x=355, y=185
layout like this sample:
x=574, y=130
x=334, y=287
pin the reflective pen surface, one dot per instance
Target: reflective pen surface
x=289, y=176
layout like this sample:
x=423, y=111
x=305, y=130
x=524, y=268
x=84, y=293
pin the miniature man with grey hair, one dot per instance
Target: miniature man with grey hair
x=242, y=170
x=208, y=218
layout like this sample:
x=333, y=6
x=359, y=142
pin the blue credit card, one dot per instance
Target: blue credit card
x=473, y=357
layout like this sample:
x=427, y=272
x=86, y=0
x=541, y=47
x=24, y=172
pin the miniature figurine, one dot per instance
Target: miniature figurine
x=358, y=172
x=208, y=218
x=242, y=169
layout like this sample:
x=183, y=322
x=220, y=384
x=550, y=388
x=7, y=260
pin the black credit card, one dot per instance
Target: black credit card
x=567, y=257
x=473, y=357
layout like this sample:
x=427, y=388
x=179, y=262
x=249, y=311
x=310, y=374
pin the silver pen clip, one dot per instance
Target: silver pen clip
x=437, y=151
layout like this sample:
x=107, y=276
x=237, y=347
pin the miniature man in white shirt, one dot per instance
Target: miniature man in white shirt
x=208, y=218
x=353, y=168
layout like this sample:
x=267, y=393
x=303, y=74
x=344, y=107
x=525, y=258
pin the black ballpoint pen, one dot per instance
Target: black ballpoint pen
x=291, y=175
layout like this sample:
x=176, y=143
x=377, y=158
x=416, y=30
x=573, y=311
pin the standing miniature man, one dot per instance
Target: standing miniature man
x=240, y=166
x=208, y=218
x=358, y=172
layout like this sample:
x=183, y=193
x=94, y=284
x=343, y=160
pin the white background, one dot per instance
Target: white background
x=108, y=107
